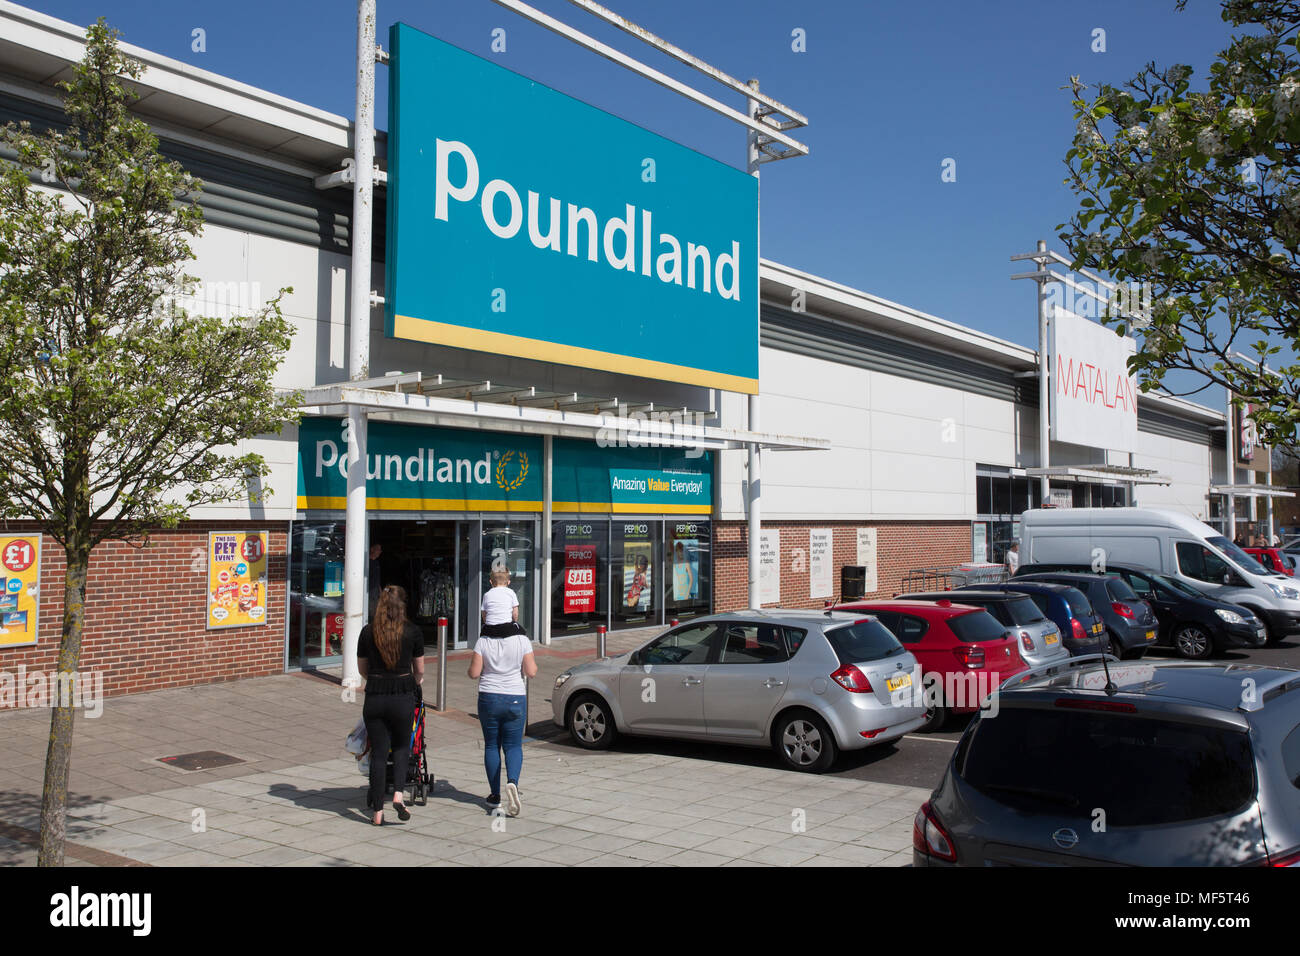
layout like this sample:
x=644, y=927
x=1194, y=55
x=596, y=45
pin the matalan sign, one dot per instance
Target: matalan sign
x=1093, y=395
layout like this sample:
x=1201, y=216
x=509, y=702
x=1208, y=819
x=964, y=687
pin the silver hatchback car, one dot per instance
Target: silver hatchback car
x=809, y=684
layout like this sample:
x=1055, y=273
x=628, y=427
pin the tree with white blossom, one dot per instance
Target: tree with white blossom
x=1193, y=191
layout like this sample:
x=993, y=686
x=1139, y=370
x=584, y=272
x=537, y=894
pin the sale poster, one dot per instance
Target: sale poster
x=237, y=578
x=579, y=578
x=20, y=576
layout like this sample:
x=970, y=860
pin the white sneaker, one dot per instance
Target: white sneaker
x=511, y=794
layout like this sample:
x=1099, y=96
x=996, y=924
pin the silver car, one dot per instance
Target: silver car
x=808, y=684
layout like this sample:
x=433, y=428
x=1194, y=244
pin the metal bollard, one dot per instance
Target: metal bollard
x=441, y=703
x=600, y=640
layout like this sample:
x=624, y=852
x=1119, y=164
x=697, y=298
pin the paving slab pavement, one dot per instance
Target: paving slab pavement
x=298, y=798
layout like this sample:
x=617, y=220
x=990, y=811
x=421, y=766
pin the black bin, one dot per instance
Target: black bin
x=853, y=582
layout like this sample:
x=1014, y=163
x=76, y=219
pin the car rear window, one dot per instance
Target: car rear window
x=1144, y=771
x=976, y=627
x=863, y=641
x=1080, y=606
x=1119, y=590
x=1024, y=611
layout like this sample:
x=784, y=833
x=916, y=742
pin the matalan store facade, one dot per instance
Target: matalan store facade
x=598, y=454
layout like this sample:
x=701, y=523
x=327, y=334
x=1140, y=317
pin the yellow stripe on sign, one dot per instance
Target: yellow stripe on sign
x=602, y=508
x=340, y=503
x=502, y=343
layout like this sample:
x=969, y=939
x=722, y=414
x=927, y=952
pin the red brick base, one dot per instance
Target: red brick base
x=900, y=547
x=146, y=609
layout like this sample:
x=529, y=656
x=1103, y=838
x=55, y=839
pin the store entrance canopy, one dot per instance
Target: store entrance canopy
x=1251, y=491
x=527, y=410
x=1101, y=473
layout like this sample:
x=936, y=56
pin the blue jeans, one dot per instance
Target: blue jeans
x=502, y=718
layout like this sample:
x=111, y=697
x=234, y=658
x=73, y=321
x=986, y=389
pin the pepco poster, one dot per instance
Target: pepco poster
x=579, y=578
x=686, y=569
x=636, y=576
x=20, y=576
x=236, y=578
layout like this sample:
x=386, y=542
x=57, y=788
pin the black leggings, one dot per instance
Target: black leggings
x=388, y=720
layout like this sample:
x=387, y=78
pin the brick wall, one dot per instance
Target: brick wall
x=901, y=546
x=146, y=608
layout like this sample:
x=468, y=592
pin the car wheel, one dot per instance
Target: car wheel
x=936, y=715
x=591, y=724
x=1271, y=635
x=804, y=741
x=1191, y=642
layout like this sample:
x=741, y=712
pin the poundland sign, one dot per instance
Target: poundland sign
x=411, y=468
x=524, y=222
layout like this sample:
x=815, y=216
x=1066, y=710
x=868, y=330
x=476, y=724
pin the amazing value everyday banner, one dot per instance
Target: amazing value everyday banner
x=415, y=468
x=591, y=479
x=524, y=222
x=1093, y=396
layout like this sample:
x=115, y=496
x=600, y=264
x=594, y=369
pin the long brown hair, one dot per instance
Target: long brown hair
x=389, y=623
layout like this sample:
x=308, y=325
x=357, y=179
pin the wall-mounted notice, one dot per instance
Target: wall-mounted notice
x=20, y=577
x=237, y=578
x=769, y=567
x=820, y=581
x=867, y=557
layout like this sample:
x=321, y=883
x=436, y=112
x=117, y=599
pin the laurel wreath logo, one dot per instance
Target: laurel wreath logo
x=512, y=483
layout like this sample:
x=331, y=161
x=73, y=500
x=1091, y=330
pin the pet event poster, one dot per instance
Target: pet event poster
x=20, y=576
x=236, y=578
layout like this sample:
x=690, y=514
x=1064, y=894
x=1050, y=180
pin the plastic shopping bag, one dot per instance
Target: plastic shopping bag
x=358, y=744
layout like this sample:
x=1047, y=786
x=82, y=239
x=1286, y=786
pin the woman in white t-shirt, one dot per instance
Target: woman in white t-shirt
x=502, y=657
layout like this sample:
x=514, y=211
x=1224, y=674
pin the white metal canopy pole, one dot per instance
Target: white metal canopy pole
x=363, y=151
x=1044, y=376
x=755, y=449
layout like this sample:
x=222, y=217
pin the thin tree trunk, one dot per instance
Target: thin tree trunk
x=58, y=757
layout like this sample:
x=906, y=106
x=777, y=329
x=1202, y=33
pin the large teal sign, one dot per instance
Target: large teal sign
x=412, y=468
x=524, y=222
x=588, y=478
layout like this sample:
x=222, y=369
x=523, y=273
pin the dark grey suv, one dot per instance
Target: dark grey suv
x=1160, y=764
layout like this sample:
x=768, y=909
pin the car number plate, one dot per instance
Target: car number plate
x=1151, y=635
x=896, y=683
x=1051, y=639
x=1097, y=628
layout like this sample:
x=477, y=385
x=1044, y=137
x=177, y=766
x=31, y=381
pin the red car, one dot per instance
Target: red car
x=963, y=651
x=1273, y=559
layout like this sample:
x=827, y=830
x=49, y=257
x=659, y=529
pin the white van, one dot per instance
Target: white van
x=1166, y=541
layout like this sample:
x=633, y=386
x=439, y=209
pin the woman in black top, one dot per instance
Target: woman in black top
x=390, y=656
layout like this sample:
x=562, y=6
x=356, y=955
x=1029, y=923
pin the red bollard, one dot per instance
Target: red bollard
x=673, y=623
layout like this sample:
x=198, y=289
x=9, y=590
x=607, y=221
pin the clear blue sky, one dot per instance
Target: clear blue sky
x=891, y=90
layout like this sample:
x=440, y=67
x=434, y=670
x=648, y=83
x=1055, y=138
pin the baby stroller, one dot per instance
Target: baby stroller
x=418, y=778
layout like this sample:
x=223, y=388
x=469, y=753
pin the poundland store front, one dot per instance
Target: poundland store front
x=629, y=531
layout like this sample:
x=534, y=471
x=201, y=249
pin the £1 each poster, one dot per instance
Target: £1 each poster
x=236, y=578
x=20, y=576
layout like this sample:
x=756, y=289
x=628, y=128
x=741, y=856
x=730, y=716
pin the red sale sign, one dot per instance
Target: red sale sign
x=579, y=579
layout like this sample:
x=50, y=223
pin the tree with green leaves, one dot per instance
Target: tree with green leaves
x=1191, y=192
x=118, y=413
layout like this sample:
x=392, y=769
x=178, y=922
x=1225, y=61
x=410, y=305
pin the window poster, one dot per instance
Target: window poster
x=579, y=578
x=237, y=578
x=20, y=576
x=638, y=566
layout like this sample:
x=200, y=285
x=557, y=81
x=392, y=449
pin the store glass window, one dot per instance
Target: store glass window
x=983, y=495
x=688, y=577
x=315, y=592
x=508, y=545
x=579, y=575
x=635, y=560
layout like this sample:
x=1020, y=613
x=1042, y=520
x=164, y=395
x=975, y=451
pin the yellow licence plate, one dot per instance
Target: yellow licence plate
x=895, y=683
x=1097, y=628
x=1051, y=639
x=1151, y=635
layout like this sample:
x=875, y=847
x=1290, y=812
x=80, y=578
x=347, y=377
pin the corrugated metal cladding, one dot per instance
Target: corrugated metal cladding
x=806, y=334
x=239, y=194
